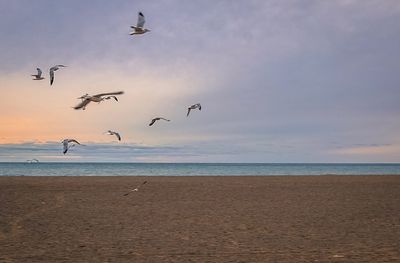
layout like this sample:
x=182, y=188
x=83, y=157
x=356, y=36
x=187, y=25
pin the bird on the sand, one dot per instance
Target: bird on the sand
x=157, y=119
x=69, y=143
x=109, y=132
x=136, y=189
x=38, y=76
x=138, y=29
x=86, y=99
x=52, y=69
x=194, y=106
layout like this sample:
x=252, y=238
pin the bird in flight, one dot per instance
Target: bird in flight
x=86, y=99
x=157, y=119
x=69, y=143
x=136, y=189
x=138, y=29
x=109, y=132
x=52, y=69
x=34, y=160
x=38, y=76
x=195, y=106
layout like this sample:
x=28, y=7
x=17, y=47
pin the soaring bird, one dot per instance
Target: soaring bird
x=195, y=106
x=86, y=99
x=109, y=132
x=136, y=189
x=52, y=69
x=34, y=160
x=138, y=29
x=66, y=144
x=157, y=119
x=38, y=76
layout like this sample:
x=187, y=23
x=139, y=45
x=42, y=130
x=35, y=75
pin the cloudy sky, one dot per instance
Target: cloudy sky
x=279, y=80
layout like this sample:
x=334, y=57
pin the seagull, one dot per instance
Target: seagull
x=66, y=145
x=34, y=160
x=109, y=132
x=157, y=119
x=195, y=106
x=138, y=29
x=136, y=189
x=52, y=69
x=86, y=99
x=38, y=76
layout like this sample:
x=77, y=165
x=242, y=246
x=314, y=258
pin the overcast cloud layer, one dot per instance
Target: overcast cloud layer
x=279, y=81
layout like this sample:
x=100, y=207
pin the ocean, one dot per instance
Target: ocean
x=193, y=169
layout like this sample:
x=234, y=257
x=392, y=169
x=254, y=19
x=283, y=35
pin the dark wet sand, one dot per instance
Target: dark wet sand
x=200, y=219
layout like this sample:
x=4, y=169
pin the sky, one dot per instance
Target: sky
x=278, y=80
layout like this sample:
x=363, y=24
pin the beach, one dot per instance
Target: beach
x=200, y=219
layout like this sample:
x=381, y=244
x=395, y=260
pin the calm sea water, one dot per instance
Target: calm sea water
x=192, y=169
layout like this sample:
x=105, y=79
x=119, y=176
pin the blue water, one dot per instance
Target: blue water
x=191, y=169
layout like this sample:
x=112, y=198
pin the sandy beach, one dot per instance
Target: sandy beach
x=200, y=219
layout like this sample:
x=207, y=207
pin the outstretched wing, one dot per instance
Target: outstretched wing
x=141, y=20
x=164, y=119
x=51, y=76
x=152, y=122
x=74, y=141
x=65, y=145
x=118, y=136
x=188, y=112
x=110, y=93
x=82, y=104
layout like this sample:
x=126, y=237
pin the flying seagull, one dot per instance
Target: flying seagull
x=157, y=119
x=38, y=76
x=136, y=189
x=138, y=29
x=195, y=106
x=109, y=132
x=86, y=99
x=34, y=160
x=52, y=69
x=67, y=146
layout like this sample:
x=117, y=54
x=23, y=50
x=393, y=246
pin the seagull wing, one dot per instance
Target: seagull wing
x=199, y=106
x=188, y=112
x=141, y=20
x=118, y=136
x=39, y=72
x=51, y=75
x=82, y=104
x=152, y=122
x=164, y=119
x=74, y=141
x=110, y=93
x=65, y=145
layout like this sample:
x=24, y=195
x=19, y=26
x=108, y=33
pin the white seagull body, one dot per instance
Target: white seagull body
x=66, y=144
x=195, y=106
x=38, y=76
x=157, y=119
x=86, y=99
x=139, y=29
x=52, y=69
x=109, y=132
